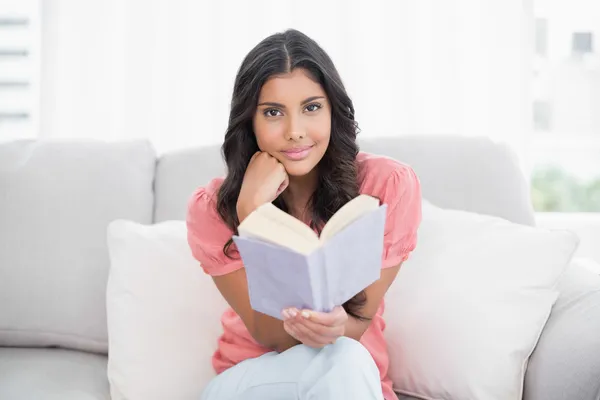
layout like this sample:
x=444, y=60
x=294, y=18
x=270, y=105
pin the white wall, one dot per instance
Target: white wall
x=164, y=69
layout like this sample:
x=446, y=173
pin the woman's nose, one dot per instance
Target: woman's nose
x=295, y=131
x=295, y=135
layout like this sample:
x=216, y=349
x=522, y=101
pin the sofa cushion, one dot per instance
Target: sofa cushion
x=52, y=374
x=468, y=306
x=178, y=173
x=56, y=202
x=164, y=314
x=462, y=173
x=566, y=362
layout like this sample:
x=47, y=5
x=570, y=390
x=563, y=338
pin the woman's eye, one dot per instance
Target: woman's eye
x=271, y=112
x=313, y=107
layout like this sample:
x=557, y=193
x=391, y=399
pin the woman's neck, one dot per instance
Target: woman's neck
x=298, y=194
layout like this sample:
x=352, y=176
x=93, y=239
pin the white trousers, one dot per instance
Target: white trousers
x=343, y=370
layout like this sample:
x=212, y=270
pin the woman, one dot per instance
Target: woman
x=291, y=140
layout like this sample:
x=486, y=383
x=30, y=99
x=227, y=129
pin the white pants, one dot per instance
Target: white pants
x=343, y=370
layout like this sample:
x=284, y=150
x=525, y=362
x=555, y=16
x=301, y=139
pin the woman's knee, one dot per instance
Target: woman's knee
x=345, y=366
x=350, y=351
x=345, y=353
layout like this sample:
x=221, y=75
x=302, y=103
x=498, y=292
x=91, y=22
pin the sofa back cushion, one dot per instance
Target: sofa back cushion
x=461, y=173
x=464, y=173
x=56, y=201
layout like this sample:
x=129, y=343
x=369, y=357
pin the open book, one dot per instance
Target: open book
x=289, y=265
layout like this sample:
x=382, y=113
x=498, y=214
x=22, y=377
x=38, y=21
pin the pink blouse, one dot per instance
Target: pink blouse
x=394, y=183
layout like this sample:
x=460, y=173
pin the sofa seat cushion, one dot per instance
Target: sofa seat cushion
x=52, y=374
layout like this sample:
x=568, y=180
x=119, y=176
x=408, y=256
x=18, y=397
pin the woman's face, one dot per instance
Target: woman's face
x=293, y=121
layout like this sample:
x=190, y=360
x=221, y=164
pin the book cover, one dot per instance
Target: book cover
x=336, y=271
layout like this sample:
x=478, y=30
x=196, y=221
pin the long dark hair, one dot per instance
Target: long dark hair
x=337, y=183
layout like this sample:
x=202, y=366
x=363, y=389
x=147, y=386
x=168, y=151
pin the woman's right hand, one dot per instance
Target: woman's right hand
x=264, y=180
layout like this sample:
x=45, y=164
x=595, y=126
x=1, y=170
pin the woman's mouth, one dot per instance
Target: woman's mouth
x=297, y=153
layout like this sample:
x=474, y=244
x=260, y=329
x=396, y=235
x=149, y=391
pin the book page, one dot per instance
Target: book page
x=272, y=225
x=350, y=212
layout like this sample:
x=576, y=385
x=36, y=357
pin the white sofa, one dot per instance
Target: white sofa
x=57, y=198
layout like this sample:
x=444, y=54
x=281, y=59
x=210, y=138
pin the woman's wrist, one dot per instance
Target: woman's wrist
x=269, y=333
x=245, y=208
x=242, y=211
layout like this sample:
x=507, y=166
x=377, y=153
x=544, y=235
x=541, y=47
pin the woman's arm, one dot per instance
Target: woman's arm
x=319, y=329
x=355, y=328
x=269, y=331
x=266, y=330
x=264, y=180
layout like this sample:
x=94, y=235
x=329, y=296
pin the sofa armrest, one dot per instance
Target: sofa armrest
x=566, y=361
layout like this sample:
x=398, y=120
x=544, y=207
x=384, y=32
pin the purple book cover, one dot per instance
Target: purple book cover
x=332, y=274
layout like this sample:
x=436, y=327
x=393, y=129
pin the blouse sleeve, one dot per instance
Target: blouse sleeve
x=207, y=234
x=402, y=194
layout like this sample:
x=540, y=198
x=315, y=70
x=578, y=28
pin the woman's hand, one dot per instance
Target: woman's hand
x=315, y=329
x=264, y=180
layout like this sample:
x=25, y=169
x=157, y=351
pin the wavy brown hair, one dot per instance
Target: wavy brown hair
x=337, y=179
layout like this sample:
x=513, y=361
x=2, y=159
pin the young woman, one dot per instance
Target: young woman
x=291, y=140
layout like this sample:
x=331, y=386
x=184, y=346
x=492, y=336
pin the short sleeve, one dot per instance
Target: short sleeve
x=402, y=194
x=207, y=235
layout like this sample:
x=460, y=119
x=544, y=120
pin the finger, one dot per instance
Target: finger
x=281, y=168
x=310, y=319
x=254, y=156
x=292, y=330
x=335, y=317
x=286, y=179
x=319, y=320
x=311, y=335
x=319, y=330
x=283, y=185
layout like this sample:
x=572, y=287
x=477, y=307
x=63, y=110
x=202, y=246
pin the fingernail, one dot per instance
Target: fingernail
x=285, y=314
x=305, y=314
x=292, y=312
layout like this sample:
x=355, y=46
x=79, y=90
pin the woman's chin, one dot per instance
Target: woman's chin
x=299, y=168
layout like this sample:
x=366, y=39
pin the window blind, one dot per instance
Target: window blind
x=20, y=40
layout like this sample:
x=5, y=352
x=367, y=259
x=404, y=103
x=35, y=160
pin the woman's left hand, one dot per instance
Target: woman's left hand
x=315, y=329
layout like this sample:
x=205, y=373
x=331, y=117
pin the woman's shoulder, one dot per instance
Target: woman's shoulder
x=202, y=204
x=383, y=176
x=207, y=233
x=395, y=184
